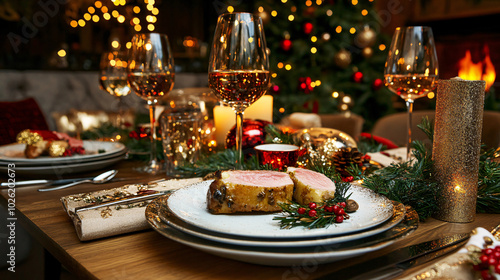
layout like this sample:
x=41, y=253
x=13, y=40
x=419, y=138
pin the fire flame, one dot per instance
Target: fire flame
x=483, y=70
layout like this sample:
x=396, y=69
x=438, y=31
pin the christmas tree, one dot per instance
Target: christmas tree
x=326, y=56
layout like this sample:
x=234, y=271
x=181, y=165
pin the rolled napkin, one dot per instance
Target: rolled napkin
x=460, y=264
x=304, y=120
x=115, y=219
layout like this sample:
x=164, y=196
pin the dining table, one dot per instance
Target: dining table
x=147, y=254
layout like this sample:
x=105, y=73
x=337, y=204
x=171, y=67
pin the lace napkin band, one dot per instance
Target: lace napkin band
x=110, y=220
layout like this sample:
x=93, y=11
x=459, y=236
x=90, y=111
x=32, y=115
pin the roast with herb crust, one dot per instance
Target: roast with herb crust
x=311, y=186
x=249, y=191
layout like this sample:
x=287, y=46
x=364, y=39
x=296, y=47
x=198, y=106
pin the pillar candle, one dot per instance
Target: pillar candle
x=225, y=118
x=456, y=147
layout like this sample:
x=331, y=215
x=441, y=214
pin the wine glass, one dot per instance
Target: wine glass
x=151, y=75
x=411, y=69
x=238, y=69
x=113, y=78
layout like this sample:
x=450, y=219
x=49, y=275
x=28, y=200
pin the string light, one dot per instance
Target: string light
x=87, y=16
x=280, y=65
x=230, y=9
x=121, y=19
x=381, y=47
x=151, y=27
x=282, y=110
x=314, y=39
x=338, y=29
x=81, y=22
x=137, y=28
x=352, y=30
x=335, y=94
x=284, y=1
x=314, y=50
x=98, y=4
x=309, y=3
x=95, y=18
x=274, y=75
x=354, y=2
x=288, y=67
x=91, y=10
x=261, y=9
x=319, y=2
x=104, y=9
x=291, y=17
x=155, y=11
x=106, y=16
x=115, y=44
x=137, y=9
x=128, y=45
x=136, y=20
x=274, y=13
x=329, y=13
x=61, y=53
x=73, y=23
x=364, y=12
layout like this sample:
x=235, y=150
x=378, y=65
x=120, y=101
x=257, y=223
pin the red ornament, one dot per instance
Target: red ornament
x=301, y=210
x=377, y=84
x=308, y=28
x=254, y=134
x=286, y=44
x=305, y=84
x=357, y=77
x=274, y=90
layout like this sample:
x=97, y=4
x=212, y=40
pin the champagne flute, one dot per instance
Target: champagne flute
x=411, y=68
x=151, y=76
x=238, y=69
x=113, y=78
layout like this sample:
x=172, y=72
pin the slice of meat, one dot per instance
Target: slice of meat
x=248, y=191
x=311, y=186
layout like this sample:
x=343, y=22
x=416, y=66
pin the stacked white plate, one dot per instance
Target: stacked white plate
x=98, y=154
x=257, y=238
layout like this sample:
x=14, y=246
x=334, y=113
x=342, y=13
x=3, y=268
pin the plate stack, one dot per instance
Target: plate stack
x=98, y=154
x=257, y=238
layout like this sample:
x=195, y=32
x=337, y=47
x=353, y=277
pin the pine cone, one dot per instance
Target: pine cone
x=344, y=157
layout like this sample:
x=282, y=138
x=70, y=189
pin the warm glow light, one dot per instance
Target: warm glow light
x=318, y=82
x=319, y=2
x=95, y=18
x=274, y=75
x=151, y=27
x=91, y=10
x=137, y=9
x=282, y=110
x=155, y=11
x=81, y=22
x=326, y=36
x=483, y=70
x=148, y=46
x=335, y=94
x=261, y=9
x=309, y=3
x=352, y=30
x=115, y=13
x=329, y=13
x=280, y=65
x=104, y=9
x=73, y=23
x=338, y=29
x=121, y=19
x=98, y=4
x=291, y=17
x=61, y=53
x=288, y=67
x=150, y=7
x=106, y=16
x=128, y=45
x=274, y=13
x=138, y=28
x=381, y=47
x=431, y=95
x=293, y=9
x=230, y=9
x=314, y=50
x=354, y=2
x=115, y=44
x=123, y=2
x=314, y=39
x=87, y=16
x=364, y=12
x=136, y=20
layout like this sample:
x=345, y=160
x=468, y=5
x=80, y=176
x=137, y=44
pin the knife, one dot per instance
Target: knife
x=395, y=263
x=55, y=182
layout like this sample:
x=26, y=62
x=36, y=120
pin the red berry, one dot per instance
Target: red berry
x=301, y=210
x=367, y=157
x=339, y=219
x=492, y=261
x=496, y=254
x=497, y=268
x=336, y=208
x=343, y=204
x=329, y=208
x=312, y=213
x=341, y=211
x=485, y=274
x=487, y=251
x=312, y=205
x=483, y=259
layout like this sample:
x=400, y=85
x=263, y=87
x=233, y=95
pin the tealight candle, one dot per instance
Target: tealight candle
x=279, y=156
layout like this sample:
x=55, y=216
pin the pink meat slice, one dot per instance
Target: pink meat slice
x=268, y=179
x=313, y=179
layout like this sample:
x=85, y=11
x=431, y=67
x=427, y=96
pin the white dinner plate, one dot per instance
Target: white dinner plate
x=166, y=216
x=94, y=150
x=190, y=205
x=65, y=168
x=285, y=256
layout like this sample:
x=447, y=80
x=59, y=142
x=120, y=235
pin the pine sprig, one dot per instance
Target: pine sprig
x=409, y=182
x=275, y=135
x=291, y=218
x=223, y=160
x=488, y=192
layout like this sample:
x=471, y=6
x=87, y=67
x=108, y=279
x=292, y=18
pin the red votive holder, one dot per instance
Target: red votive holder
x=279, y=156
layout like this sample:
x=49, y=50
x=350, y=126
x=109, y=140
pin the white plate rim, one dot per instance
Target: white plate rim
x=234, y=240
x=110, y=147
x=192, y=210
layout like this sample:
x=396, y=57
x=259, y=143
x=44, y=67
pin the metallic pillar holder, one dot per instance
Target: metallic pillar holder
x=456, y=147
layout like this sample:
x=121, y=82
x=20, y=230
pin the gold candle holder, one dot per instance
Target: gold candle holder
x=456, y=147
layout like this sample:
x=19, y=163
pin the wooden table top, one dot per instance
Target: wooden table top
x=149, y=255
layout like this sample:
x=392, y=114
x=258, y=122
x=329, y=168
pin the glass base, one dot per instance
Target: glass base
x=153, y=167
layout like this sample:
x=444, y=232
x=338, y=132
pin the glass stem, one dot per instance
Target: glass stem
x=409, y=107
x=239, y=139
x=152, y=104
